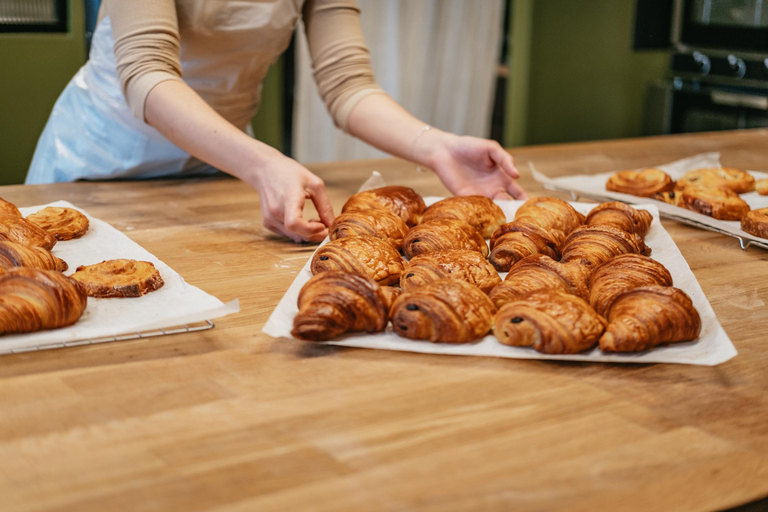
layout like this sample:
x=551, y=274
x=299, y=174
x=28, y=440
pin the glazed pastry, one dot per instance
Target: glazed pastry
x=17, y=229
x=479, y=212
x=335, y=302
x=735, y=180
x=540, y=272
x=550, y=213
x=719, y=203
x=63, y=223
x=550, y=321
x=17, y=255
x=623, y=273
x=402, y=201
x=670, y=197
x=119, y=278
x=379, y=223
x=442, y=235
x=644, y=183
x=7, y=208
x=469, y=266
x=32, y=300
x=516, y=240
x=762, y=187
x=755, y=222
x=649, y=316
x=367, y=256
x=594, y=245
x=445, y=311
x=621, y=216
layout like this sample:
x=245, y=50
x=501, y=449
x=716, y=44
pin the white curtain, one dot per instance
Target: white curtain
x=437, y=58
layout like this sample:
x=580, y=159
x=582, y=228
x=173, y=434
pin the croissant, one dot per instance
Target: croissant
x=15, y=228
x=379, y=223
x=594, y=245
x=550, y=213
x=402, y=201
x=649, y=316
x=367, y=256
x=540, y=272
x=63, y=223
x=469, y=266
x=479, y=212
x=445, y=311
x=755, y=222
x=516, y=240
x=442, y=235
x=735, y=180
x=621, y=216
x=17, y=255
x=718, y=203
x=119, y=278
x=32, y=300
x=644, y=183
x=7, y=208
x=550, y=321
x=623, y=273
x=335, y=302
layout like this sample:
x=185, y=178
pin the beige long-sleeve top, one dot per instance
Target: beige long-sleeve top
x=223, y=49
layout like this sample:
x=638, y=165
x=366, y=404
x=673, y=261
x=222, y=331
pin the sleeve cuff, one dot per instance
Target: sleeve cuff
x=139, y=87
x=347, y=105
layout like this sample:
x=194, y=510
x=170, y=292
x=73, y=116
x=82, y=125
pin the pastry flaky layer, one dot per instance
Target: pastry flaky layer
x=736, y=180
x=550, y=213
x=14, y=228
x=621, y=216
x=119, y=278
x=643, y=183
x=364, y=255
x=755, y=222
x=8, y=208
x=442, y=235
x=515, y=240
x=592, y=246
x=63, y=223
x=18, y=255
x=380, y=223
x=401, y=201
x=718, y=203
x=465, y=265
x=623, y=273
x=32, y=300
x=445, y=311
x=540, y=272
x=478, y=211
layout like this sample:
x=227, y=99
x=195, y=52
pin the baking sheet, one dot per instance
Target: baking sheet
x=593, y=186
x=712, y=347
x=176, y=303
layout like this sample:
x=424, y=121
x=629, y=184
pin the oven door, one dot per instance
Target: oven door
x=727, y=24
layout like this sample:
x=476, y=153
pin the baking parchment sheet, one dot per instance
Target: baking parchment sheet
x=593, y=186
x=712, y=347
x=176, y=303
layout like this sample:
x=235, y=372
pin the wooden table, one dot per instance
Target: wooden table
x=231, y=420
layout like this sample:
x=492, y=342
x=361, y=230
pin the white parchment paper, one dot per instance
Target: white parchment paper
x=712, y=347
x=176, y=303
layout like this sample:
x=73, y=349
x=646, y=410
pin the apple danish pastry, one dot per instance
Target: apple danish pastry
x=649, y=316
x=643, y=183
x=550, y=213
x=445, y=311
x=63, y=223
x=550, y=321
x=379, y=223
x=401, y=201
x=594, y=245
x=735, y=180
x=119, y=278
x=335, y=302
x=17, y=255
x=469, y=266
x=367, y=256
x=442, y=235
x=14, y=228
x=516, y=240
x=32, y=300
x=621, y=216
x=479, y=212
x=8, y=208
x=755, y=222
x=718, y=203
x=623, y=273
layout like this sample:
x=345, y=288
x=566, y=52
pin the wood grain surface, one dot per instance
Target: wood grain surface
x=232, y=420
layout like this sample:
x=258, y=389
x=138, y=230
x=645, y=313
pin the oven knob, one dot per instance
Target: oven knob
x=702, y=62
x=738, y=67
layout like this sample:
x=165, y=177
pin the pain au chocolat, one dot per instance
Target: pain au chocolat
x=515, y=240
x=401, y=201
x=379, y=223
x=594, y=245
x=119, y=278
x=478, y=211
x=469, y=266
x=63, y=223
x=367, y=256
x=442, y=235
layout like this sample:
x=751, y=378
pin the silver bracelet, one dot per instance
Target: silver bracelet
x=423, y=130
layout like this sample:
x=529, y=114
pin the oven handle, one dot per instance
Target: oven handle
x=732, y=99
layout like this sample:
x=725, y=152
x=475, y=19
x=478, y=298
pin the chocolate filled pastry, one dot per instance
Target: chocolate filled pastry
x=63, y=223
x=540, y=272
x=367, y=256
x=401, y=201
x=755, y=222
x=442, y=235
x=623, y=273
x=735, y=180
x=479, y=212
x=649, y=316
x=469, y=266
x=333, y=303
x=762, y=187
x=643, y=183
x=379, y=223
x=445, y=311
x=17, y=255
x=516, y=240
x=550, y=213
x=550, y=321
x=7, y=208
x=119, y=278
x=594, y=245
x=33, y=300
x=670, y=197
x=15, y=228
x=718, y=203
x=621, y=216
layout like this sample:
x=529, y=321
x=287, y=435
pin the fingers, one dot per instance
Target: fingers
x=516, y=191
x=296, y=225
x=502, y=195
x=323, y=206
x=505, y=161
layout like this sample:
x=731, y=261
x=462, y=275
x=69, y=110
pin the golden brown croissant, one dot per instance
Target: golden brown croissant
x=648, y=316
x=469, y=266
x=445, y=311
x=644, y=183
x=550, y=321
x=380, y=223
x=335, y=302
x=623, y=273
x=63, y=223
x=32, y=300
x=735, y=180
x=516, y=240
x=755, y=222
x=479, y=212
x=550, y=213
x=367, y=256
x=621, y=216
x=119, y=278
x=442, y=235
x=718, y=203
x=17, y=255
x=540, y=272
x=402, y=201
x=594, y=245
x=7, y=208
x=15, y=228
